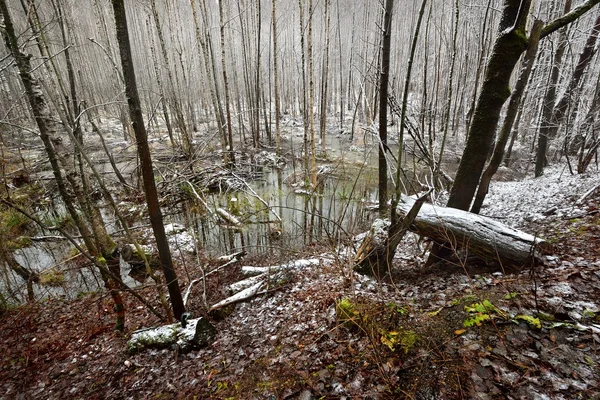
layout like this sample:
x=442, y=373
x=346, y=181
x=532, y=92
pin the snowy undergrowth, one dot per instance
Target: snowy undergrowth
x=554, y=194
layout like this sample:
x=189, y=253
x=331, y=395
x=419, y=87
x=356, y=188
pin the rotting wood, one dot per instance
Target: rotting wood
x=196, y=334
x=480, y=236
x=375, y=254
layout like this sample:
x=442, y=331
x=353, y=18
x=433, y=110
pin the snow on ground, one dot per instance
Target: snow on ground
x=555, y=193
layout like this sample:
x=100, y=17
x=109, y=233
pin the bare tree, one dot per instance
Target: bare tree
x=139, y=128
x=384, y=77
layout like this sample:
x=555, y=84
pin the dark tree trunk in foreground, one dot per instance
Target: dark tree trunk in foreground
x=511, y=114
x=383, y=106
x=137, y=121
x=507, y=50
x=510, y=44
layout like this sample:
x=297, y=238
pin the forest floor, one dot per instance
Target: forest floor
x=439, y=333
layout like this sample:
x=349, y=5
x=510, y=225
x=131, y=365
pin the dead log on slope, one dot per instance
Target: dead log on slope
x=375, y=254
x=193, y=334
x=483, y=237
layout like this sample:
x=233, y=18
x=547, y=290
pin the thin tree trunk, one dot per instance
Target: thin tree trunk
x=276, y=80
x=324, y=81
x=311, y=96
x=226, y=87
x=446, y=121
x=135, y=113
x=549, y=99
x=384, y=78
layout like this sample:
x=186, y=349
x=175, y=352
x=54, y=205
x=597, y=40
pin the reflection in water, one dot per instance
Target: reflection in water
x=296, y=217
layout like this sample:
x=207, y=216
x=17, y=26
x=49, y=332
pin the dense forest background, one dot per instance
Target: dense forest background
x=409, y=183
x=179, y=60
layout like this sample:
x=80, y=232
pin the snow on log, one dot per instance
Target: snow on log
x=228, y=217
x=241, y=296
x=481, y=236
x=248, y=270
x=263, y=277
x=198, y=333
x=246, y=283
x=234, y=256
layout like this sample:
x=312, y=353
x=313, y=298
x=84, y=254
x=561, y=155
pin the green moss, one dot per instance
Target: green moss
x=532, y=321
x=52, y=277
x=347, y=313
x=19, y=243
x=405, y=338
x=480, y=312
x=587, y=313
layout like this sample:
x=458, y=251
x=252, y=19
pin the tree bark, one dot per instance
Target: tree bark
x=549, y=99
x=480, y=236
x=511, y=114
x=137, y=119
x=384, y=78
x=509, y=45
x=231, y=154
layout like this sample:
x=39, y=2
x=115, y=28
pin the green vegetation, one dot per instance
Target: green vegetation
x=384, y=327
x=52, y=277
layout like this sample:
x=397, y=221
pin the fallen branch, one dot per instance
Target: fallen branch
x=228, y=217
x=230, y=257
x=587, y=194
x=241, y=296
x=248, y=270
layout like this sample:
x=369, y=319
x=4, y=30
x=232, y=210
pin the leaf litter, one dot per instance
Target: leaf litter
x=539, y=338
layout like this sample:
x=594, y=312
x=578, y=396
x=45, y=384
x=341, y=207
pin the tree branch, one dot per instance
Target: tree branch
x=568, y=18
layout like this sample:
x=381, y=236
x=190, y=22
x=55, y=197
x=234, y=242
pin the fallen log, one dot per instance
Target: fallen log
x=248, y=270
x=262, y=277
x=245, y=294
x=483, y=237
x=228, y=217
x=375, y=254
x=197, y=333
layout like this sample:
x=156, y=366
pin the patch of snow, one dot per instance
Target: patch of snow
x=518, y=202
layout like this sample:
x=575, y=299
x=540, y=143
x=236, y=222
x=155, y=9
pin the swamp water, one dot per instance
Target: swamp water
x=277, y=216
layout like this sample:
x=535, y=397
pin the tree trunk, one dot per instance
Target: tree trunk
x=276, y=81
x=135, y=113
x=511, y=114
x=92, y=230
x=384, y=78
x=549, y=99
x=571, y=95
x=231, y=158
x=511, y=42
